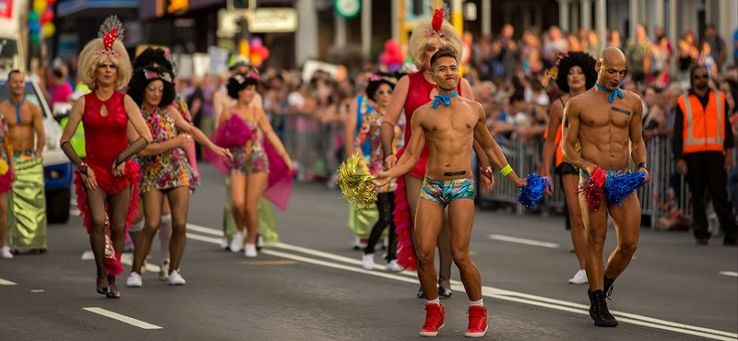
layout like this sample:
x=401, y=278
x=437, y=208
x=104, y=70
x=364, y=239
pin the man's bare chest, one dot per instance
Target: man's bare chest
x=448, y=121
x=16, y=116
x=617, y=114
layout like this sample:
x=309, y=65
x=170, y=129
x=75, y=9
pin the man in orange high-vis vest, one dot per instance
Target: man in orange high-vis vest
x=702, y=143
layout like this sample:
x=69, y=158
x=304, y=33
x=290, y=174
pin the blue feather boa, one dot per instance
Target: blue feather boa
x=532, y=192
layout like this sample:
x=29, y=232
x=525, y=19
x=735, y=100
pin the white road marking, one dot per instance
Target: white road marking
x=502, y=294
x=125, y=258
x=210, y=231
x=205, y=230
x=522, y=241
x=729, y=273
x=37, y=290
x=7, y=282
x=122, y=318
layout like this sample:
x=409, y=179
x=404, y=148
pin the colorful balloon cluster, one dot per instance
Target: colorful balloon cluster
x=392, y=57
x=258, y=53
x=41, y=20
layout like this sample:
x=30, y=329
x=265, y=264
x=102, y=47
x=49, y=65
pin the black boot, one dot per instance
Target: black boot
x=608, y=287
x=598, y=310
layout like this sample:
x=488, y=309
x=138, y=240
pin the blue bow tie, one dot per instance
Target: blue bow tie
x=446, y=99
x=614, y=93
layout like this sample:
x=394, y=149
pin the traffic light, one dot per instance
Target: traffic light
x=176, y=6
x=239, y=4
x=417, y=6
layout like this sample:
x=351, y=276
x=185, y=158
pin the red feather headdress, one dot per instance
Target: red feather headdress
x=110, y=31
x=439, y=15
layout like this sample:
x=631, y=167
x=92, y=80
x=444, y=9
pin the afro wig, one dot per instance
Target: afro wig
x=143, y=76
x=155, y=56
x=238, y=82
x=375, y=83
x=572, y=59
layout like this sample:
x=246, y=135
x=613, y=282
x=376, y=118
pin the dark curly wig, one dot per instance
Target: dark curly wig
x=581, y=59
x=151, y=56
x=373, y=87
x=142, y=77
x=238, y=82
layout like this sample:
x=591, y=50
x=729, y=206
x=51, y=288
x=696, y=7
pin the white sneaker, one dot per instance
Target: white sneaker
x=367, y=261
x=579, y=278
x=134, y=280
x=237, y=242
x=176, y=279
x=164, y=270
x=224, y=243
x=5, y=252
x=250, y=251
x=393, y=266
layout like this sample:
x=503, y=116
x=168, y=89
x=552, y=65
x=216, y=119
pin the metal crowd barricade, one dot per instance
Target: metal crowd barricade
x=525, y=157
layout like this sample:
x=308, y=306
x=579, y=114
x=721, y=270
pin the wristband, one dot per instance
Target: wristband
x=642, y=165
x=506, y=170
x=82, y=168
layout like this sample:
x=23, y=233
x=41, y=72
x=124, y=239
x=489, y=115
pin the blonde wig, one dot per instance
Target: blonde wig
x=92, y=55
x=423, y=33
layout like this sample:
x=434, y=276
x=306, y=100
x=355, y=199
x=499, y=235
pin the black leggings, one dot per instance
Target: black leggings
x=385, y=205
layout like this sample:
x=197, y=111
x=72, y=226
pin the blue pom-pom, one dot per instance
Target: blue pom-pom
x=532, y=192
x=620, y=186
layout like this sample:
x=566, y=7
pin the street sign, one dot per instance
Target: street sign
x=228, y=22
x=261, y=20
x=269, y=20
x=348, y=9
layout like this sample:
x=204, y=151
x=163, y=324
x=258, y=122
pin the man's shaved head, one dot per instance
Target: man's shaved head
x=611, y=68
x=612, y=55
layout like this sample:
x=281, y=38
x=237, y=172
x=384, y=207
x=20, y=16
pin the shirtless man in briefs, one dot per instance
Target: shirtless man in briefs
x=606, y=121
x=449, y=125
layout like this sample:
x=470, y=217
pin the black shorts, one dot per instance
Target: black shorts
x=566, y=168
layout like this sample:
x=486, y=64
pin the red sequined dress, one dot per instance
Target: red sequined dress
x=105, y=138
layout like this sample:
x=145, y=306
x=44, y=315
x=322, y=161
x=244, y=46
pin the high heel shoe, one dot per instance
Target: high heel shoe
x=113, y=291
x=102, y=289
x=112, y=294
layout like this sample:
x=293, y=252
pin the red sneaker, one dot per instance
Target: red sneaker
x=434, y=316
x=477, y=322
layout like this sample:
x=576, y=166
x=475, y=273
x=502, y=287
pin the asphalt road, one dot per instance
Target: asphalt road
x=311, y=285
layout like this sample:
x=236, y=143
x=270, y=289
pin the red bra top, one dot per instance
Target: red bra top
x=105, y=136
x=418, y=94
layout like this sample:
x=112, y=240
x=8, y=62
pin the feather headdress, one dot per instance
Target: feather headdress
x=110, y=31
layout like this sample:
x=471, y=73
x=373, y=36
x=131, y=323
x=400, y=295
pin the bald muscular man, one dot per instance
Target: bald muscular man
x=606, y=121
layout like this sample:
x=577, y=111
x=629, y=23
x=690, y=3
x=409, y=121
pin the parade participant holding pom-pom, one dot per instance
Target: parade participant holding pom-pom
x=606, y=122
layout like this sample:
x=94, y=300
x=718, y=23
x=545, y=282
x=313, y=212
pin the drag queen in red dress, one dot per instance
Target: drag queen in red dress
x=107, y=180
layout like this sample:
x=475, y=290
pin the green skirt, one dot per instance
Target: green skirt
x=267, y=223
x=27, y=206
x=361, y=221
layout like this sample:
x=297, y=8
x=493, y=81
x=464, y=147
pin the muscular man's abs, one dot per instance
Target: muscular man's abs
x=22, y=135
x=604, y=132
x=449, y=135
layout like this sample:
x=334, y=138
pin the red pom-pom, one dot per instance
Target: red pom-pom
x=593, y=188
x=437, y=19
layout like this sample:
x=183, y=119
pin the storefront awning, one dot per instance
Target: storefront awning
x=67, y=7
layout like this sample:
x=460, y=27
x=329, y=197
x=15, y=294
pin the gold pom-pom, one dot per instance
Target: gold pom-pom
x=356, y=183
